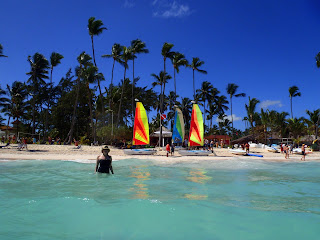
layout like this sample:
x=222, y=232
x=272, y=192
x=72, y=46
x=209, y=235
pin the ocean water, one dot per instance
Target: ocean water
x=145, y=199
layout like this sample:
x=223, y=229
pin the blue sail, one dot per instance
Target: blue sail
x=178, y=127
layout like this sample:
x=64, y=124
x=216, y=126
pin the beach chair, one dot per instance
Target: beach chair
x=5, y=146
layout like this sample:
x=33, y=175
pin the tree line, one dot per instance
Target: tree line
x=80, y=107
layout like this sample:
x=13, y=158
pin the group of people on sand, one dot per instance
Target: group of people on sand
x=170, y=149
x=287, y=149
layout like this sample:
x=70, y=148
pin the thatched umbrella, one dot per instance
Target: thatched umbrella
x=243, y=140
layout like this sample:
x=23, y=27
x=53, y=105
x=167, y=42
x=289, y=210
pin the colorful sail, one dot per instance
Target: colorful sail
x=196, y=127
x=141, y=126
x=178, y=128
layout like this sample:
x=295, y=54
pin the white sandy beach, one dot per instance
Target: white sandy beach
x=69, y=152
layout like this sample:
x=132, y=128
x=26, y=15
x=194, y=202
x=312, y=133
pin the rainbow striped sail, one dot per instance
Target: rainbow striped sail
x=196, y=127
x=141, y=126
x=178, y=128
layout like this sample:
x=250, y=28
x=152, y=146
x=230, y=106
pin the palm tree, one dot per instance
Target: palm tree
x=95, y=28
x=39, y=65
x=231, y=90
x=293, y=92
x=55, y=60
x=251, y=111
x=217, y=107
x=296, y=127
x=186, y=109
x=1, y=52
x=265, y=120
x=314, y=120
x=318, y=60
x=160, y=80
x=125, y=57
x=166, y=53
x=89, y=75
x=83, y=60
x=137, y=47
x=178, y=60
x=205, y=93
x=195, y=64
x=116, y=56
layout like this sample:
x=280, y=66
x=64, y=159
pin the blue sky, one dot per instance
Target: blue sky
x=263, y=46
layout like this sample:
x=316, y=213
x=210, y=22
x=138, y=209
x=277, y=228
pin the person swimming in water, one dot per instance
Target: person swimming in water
x=104, y=161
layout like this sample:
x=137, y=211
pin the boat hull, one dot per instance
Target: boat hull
x=139, y=151
x=237, y=152
x=193, y=152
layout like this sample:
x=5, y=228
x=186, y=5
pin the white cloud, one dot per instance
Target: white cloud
x=235, y=118
x=267, y=103
x=173, y=10
x=128, y=4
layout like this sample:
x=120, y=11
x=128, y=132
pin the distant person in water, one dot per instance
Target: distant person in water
x=104, y=161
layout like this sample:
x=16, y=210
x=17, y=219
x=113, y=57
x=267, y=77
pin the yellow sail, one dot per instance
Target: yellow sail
x=141, y=126
x=196, y=127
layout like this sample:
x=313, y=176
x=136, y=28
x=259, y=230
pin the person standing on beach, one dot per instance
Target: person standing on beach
x=303, y=152
x=286, y=151
x=104, y=161
x=247, y=146
x=168, y=149
x=172, y=149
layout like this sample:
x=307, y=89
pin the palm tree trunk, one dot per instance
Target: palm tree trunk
x=124, y=77
x=291, y=107
x=91, y=114
x=95, y=64
x=194, y=90
x=204, y=114
x=175, y=87
x=132, y=89
x=231, y=115
x=94, y=58
x=70, y=134
x=47, y=112
x=8, y=127
x=33, y=114
x=111, y=85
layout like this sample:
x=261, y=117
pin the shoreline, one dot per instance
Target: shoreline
x=89, y=153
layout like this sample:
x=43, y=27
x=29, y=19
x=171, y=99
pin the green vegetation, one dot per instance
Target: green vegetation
x=80, y=107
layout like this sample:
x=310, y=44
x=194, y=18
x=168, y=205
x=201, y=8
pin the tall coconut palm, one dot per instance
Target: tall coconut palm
x=231, y=90
x=125, y=57
x=186, y=109
x=217, y=106
x=293, y=92
x=116, y=56
x=83, y=60
x=1, y=52
x=195, y=64
x=39, y=65
x=318, y=60
x=89, y=75
x=95, y=28
x=166, y=53
x=55, y=60
x=314, y=119
x=251, y=111
x=178, y=61
x=205, y=93
x=160, y=80
x=137, y=47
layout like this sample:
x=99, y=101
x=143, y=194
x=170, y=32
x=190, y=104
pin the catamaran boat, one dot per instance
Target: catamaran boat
x=140, y=133
x=196, y=134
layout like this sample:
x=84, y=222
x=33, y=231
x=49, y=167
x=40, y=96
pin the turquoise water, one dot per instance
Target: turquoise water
x=144, y=199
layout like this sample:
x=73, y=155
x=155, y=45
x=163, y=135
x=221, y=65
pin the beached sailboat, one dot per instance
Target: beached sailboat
x=140, y=133
x=178, y=128
x=196, y=134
